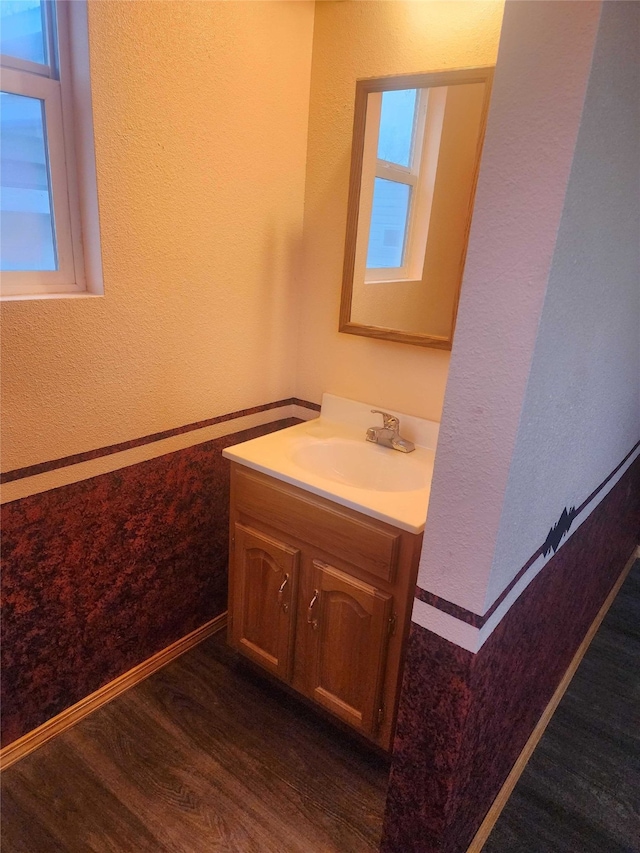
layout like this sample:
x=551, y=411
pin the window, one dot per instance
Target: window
x=403, y=127
x=41, y=248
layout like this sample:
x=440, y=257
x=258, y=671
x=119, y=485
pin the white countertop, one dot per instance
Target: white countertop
x=399, y=483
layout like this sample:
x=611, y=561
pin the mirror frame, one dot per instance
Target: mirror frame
x=458, y=76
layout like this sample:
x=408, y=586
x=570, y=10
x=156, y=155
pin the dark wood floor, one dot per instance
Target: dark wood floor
x=580, y=791
x=203, y=756
x=207, y=756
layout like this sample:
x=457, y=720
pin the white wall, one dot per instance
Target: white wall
x=539, y=89
x=581, y=413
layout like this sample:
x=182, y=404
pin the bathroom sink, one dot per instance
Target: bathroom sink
x=360, y=464
x=330, y=457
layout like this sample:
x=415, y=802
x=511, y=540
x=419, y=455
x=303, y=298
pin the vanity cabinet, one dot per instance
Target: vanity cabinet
x=320, y=597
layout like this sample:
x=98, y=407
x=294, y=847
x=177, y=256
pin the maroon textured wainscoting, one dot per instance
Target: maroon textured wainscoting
x=465, y=718
x=100, y=575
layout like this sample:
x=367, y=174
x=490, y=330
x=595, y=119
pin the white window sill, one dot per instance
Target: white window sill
x=24, y=297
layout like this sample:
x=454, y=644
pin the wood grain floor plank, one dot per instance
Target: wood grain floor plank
x=298, y=753
x=68, y=808
x=579, y=791
x=285, y=761
x=195, y=787
x=203, y=756
x=20, y=833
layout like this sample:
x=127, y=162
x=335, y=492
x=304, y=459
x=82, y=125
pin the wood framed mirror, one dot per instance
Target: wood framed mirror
x=417, y=142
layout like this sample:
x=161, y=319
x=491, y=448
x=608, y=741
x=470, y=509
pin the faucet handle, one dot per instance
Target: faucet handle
x=388, y=421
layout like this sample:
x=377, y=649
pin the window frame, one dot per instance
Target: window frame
x=73, y=190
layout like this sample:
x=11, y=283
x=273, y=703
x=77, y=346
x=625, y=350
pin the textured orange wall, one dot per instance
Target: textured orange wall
x=200, y=115
x=370, y=39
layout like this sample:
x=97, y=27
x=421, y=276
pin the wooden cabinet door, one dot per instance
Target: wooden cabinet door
x=264, y=582
x=350, y=621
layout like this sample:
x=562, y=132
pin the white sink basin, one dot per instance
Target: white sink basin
x=330, y=457
x=361, y=464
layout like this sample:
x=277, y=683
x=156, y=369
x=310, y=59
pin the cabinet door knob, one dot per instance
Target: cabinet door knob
x=281, y=601
x=313, y=622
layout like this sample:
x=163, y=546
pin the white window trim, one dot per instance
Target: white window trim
x=71, y=158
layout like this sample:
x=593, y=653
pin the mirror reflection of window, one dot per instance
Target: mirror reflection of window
x=394, y=180
x=405, y=125
x=397, y=127
x=415, y=154
x=387, y=235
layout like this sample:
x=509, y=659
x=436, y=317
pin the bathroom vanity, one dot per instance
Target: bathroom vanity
x=321, y=583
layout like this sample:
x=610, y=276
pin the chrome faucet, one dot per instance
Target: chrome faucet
x=388, y=435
